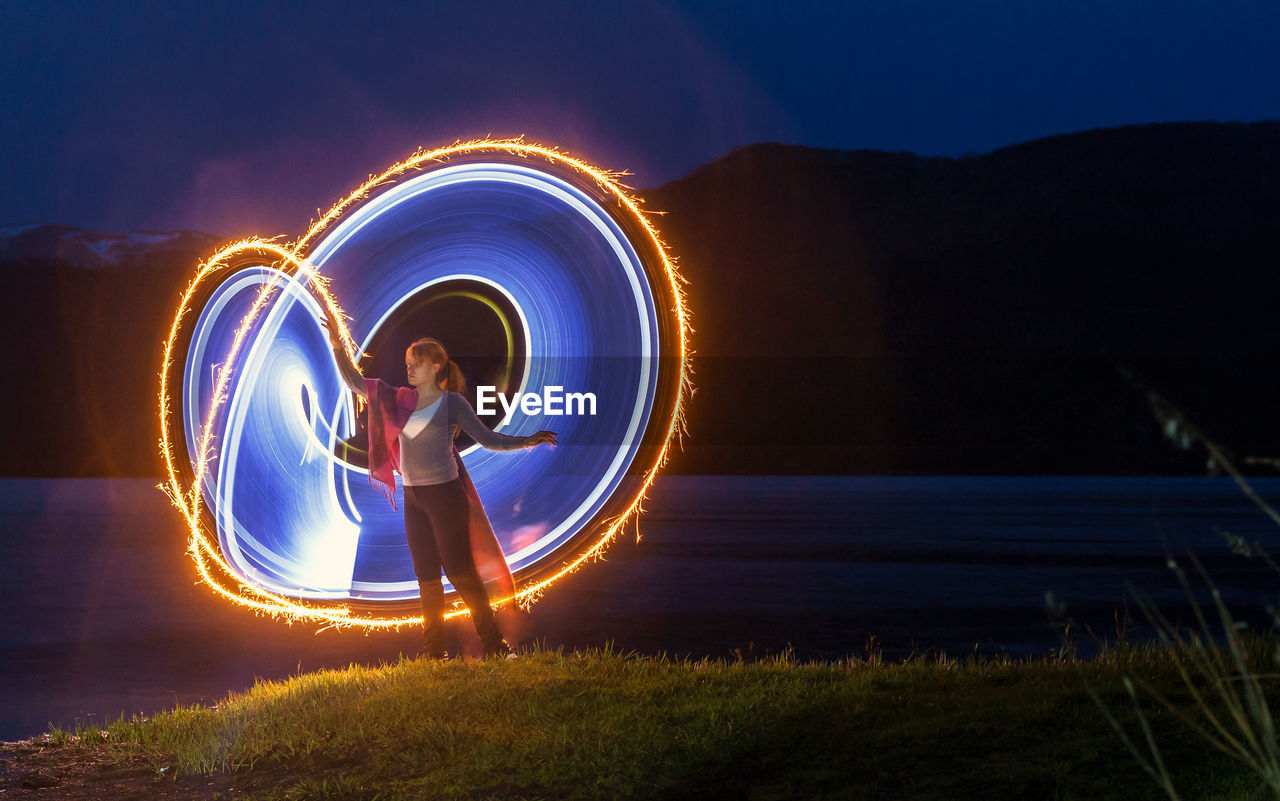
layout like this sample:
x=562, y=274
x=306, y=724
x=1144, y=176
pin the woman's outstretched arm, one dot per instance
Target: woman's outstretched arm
x=346, y=368
x=465, y=416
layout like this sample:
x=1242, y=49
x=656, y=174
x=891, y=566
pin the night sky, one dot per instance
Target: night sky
x=237, y=119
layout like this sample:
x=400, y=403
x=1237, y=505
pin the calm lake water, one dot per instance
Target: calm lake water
x=101, y=613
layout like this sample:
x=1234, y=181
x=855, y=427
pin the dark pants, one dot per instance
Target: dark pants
x=435, y=524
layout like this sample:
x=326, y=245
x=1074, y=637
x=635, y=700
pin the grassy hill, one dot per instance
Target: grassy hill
x=599, y=724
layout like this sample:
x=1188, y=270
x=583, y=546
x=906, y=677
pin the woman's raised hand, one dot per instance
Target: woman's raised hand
x=548, y=437
x=346, y=367
x=334, y=338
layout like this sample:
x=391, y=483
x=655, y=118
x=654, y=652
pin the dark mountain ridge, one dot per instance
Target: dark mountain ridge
x=937, y=315
x=855, y=311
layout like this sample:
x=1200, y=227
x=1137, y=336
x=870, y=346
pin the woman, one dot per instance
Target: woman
x=412, y=429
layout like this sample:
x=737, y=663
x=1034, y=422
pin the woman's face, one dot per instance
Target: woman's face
x=420, y=373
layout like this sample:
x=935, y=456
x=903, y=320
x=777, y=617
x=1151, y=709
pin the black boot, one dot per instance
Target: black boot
x=432, y=594
x=472, y=591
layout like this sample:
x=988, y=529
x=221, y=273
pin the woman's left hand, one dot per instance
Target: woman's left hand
x=541, y=437
x=335, y=339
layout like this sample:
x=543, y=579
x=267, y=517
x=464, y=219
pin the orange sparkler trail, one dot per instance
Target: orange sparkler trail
x=210, y=564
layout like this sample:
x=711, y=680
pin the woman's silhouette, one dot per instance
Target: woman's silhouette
x=412, y=429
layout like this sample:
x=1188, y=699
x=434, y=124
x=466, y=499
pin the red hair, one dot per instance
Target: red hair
x=432, y=350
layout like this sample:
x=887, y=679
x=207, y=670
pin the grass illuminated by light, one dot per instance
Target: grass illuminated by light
x=604, y=724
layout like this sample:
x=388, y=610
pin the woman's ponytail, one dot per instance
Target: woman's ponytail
x=453, y=379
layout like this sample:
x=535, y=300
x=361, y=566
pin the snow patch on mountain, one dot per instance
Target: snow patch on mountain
x=13, y=230
x=93, y=249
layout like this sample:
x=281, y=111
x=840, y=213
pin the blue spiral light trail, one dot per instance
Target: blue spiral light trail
x=296, y=518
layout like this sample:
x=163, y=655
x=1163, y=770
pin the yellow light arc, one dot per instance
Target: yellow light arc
x=507, y=331
x=209, y=562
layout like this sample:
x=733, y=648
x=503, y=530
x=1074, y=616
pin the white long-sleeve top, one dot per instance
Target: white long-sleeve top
x=426, y=441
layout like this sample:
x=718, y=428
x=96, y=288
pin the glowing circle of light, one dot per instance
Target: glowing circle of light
x=278, y=522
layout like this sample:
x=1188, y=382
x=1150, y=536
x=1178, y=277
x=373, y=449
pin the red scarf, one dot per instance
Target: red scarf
x=389, y=410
